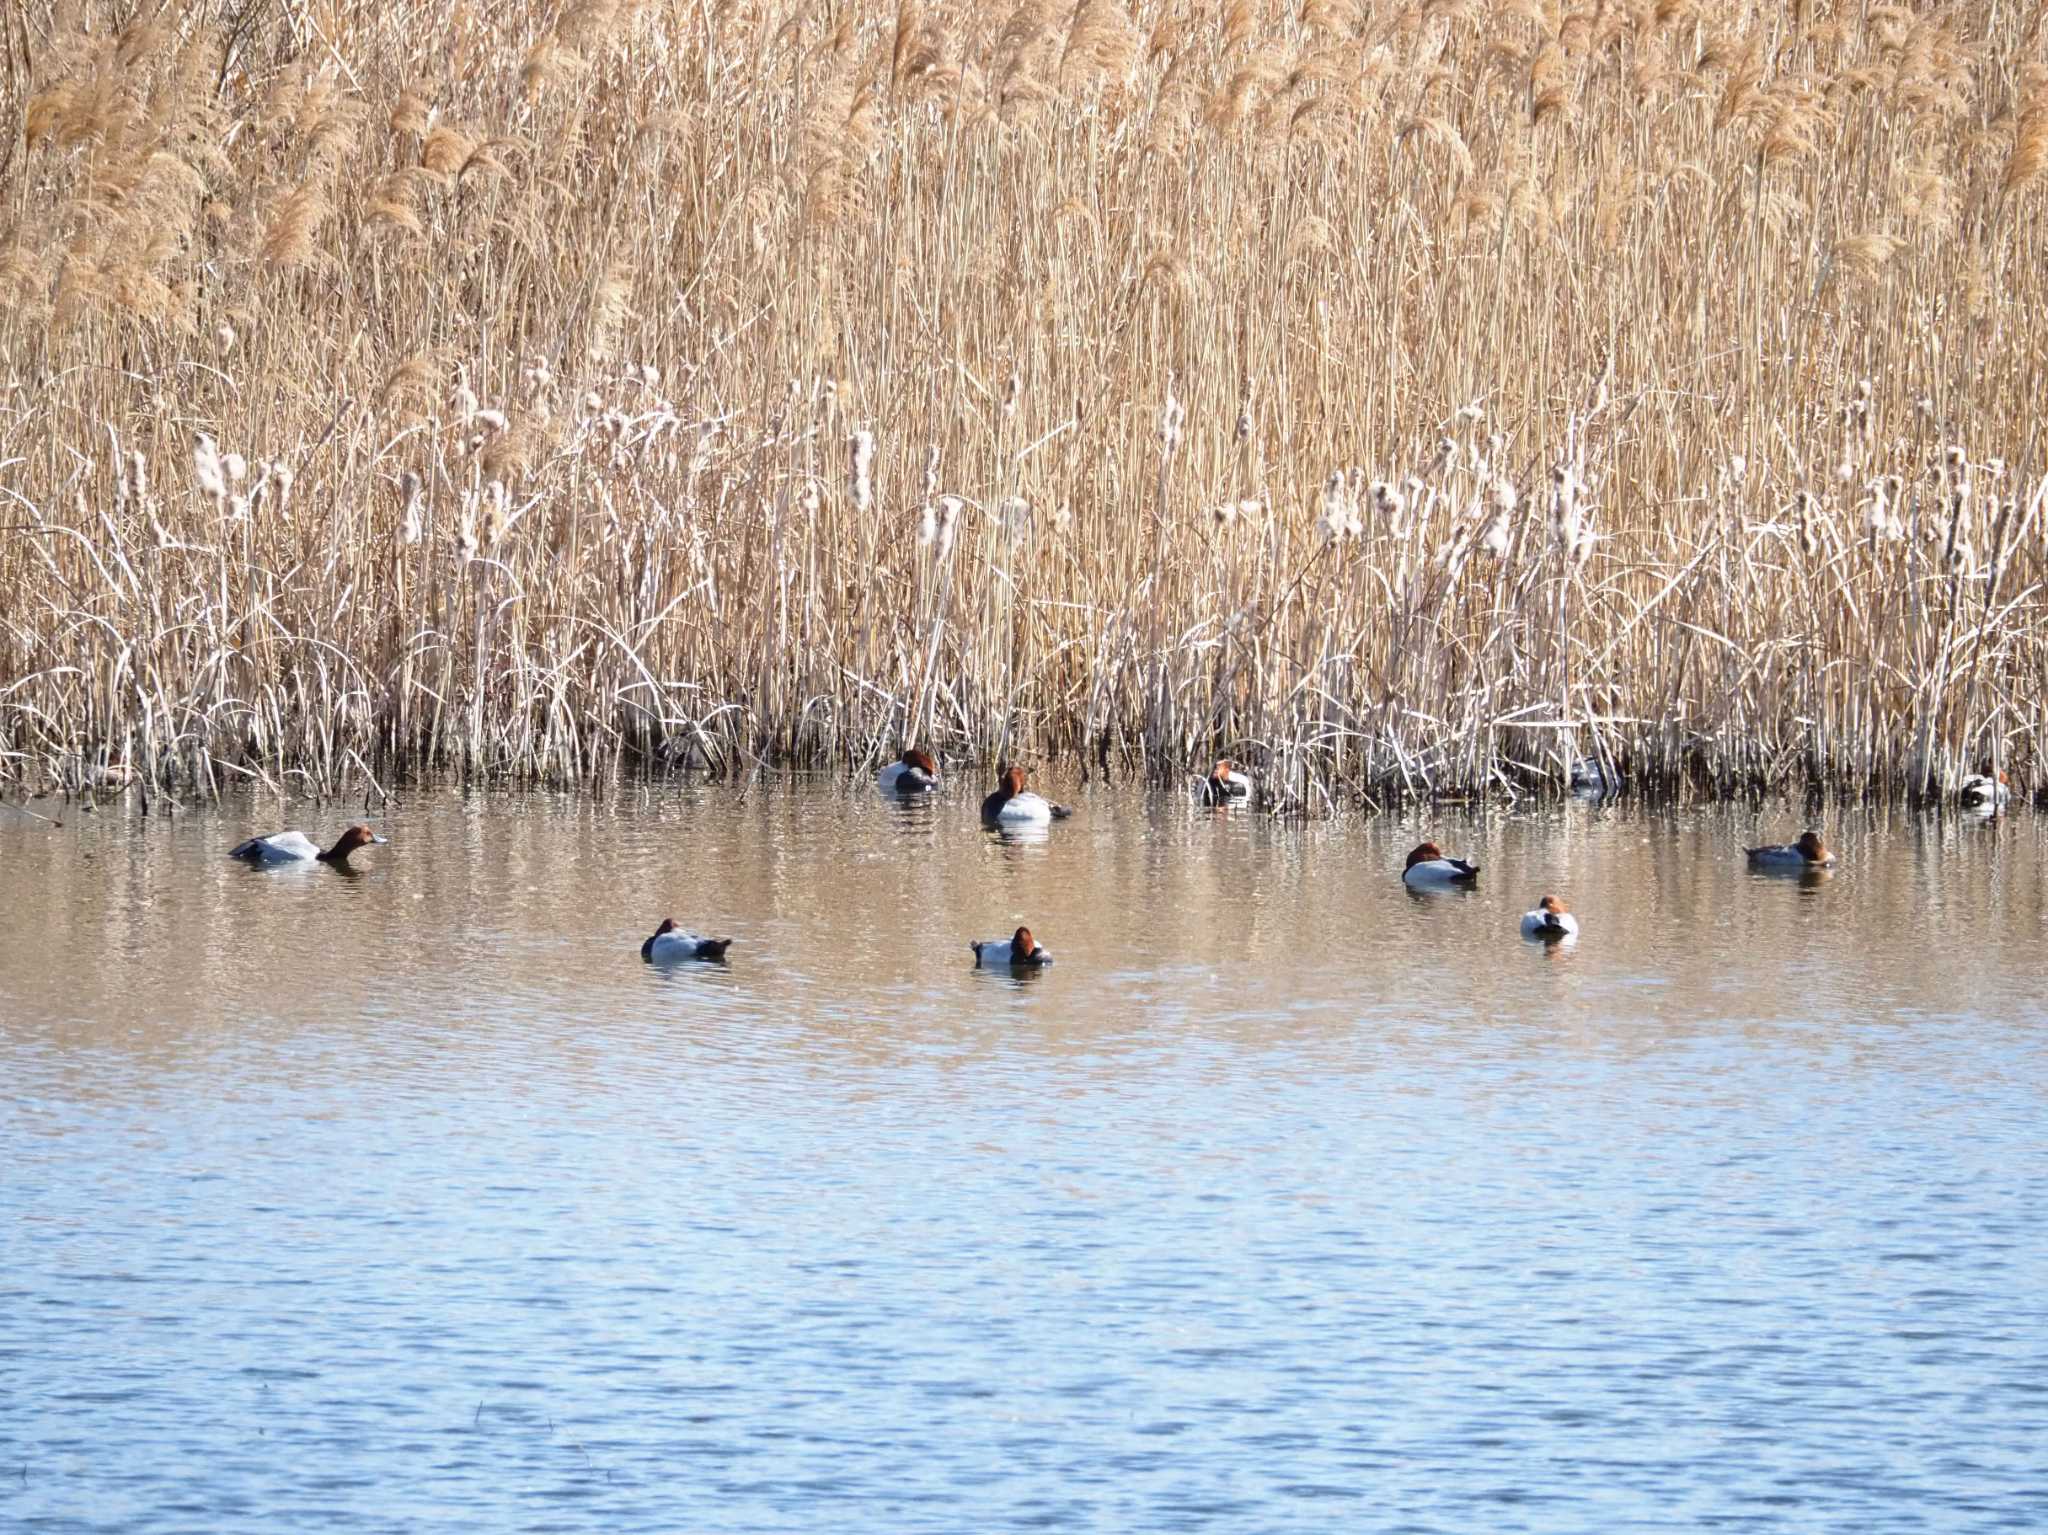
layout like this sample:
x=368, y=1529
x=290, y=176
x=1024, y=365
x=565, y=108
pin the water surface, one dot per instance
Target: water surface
x=1285, y=1201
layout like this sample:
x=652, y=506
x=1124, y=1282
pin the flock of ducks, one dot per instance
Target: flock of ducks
x=1010, y=803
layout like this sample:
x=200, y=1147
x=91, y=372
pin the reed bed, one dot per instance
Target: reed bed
x=1403, y=399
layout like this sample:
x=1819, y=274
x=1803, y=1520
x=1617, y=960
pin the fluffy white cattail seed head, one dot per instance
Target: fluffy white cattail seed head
x=1171, y=415
x=860, y=452
x=1339, y=519
x=207, y=469
x=415, y=498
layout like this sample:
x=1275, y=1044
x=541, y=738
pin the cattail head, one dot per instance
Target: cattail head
x=1391, y=506
x=207, y=469
x=1580, y=551
x=1339, y=519
x=861, y=460
x=1503, y=496
x=461, y=398
x=1881, y=518
x=414, y=497
x=1014, y=515
x=1564, y=509
x=931, y=471
x=1171, y=415
x=2003, y=523
x=498, y=520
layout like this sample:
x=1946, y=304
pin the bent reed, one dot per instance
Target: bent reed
x=1402, y=400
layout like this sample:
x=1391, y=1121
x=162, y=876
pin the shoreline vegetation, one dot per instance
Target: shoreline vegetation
x=1398, y=400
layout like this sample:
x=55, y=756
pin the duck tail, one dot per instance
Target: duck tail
x=714, y=948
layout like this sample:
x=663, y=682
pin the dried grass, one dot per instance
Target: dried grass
x=1403, y=401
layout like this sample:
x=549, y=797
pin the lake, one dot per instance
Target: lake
x=1285, y=1200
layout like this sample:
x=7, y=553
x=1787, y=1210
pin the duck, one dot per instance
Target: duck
x=1012, y=802
x=1549, y=921
x=1020, y=948
x=1428, y=866
x=912, y=773
x=1986, y=789
x=297, y=847
x=1809, y=852
x=1225, y=784
x=1589, y=777
x=671, y=943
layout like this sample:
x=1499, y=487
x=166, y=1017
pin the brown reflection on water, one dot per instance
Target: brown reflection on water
x=852, y=916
